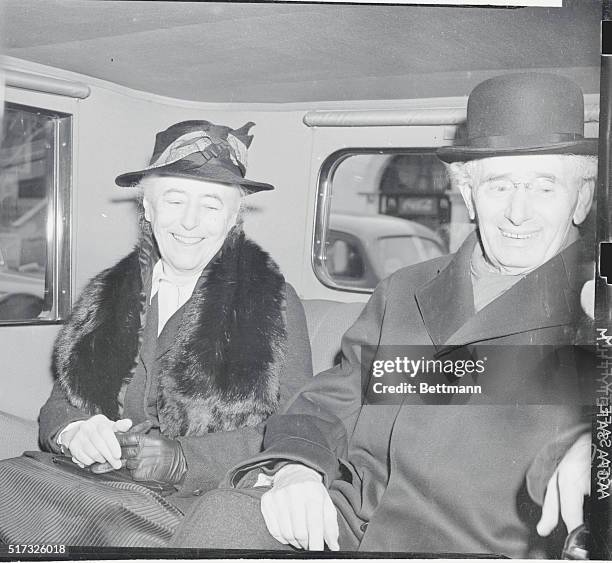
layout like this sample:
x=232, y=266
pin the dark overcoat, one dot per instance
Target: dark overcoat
x=448, y=474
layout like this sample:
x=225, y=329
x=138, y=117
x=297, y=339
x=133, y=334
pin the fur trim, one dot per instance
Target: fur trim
x=222, y=372
x=95, y=351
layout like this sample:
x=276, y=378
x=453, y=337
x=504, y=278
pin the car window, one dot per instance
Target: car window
x=399, y=205
x=34, y=219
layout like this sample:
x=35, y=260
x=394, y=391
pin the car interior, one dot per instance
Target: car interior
x=349, y=103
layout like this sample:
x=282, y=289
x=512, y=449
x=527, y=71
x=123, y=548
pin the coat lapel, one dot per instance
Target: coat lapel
x=167, y=337
x=148, y=347
x=540, y=300
x=446, y=302
x=153, y=346
x=544, y=298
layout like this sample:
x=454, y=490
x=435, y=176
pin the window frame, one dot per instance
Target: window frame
x=57, y=296
x=323, y=207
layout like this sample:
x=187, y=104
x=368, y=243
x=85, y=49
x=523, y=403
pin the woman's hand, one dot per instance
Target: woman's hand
x=93, y=440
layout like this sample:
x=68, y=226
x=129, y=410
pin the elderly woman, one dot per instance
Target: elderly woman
x=173, y=356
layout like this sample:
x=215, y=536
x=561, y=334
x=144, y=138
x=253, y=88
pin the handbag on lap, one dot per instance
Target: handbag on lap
x=45, y=498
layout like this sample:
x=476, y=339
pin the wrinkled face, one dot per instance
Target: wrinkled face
x=525, y=207
x=190, y=219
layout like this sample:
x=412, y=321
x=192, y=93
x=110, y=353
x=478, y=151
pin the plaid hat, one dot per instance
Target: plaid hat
x=200, y=150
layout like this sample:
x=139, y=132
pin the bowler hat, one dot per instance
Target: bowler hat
x=200, y=150
x=526, y=113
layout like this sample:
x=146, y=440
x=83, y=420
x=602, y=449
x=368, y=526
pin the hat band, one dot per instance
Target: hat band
x=201, y=162
x=522, y=141
x=199, y=142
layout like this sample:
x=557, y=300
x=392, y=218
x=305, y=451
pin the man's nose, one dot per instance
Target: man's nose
x=191, y=216
x=519, y=209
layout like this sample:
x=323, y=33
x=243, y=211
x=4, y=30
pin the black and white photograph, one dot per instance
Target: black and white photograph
x=293, y=279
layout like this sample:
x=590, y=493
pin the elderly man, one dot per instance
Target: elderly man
x=449, y=470
x=169, y=362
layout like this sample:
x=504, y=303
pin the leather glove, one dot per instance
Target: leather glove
x=105, y=467
x=151, y=458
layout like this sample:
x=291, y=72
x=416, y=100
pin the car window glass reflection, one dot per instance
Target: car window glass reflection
x=26, y=175
x=397, y=207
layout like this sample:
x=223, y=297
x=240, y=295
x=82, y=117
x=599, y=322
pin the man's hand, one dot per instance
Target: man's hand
x=299, y=511
x=93, y=440
x=567, y=487
x=587, y=298
x=152, y=458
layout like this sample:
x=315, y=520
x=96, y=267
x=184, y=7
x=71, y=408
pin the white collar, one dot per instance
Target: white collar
x=186, y=285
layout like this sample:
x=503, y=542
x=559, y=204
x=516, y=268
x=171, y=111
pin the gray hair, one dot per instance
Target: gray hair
x=466, y=173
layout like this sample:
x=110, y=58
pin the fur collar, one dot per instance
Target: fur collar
x=221, y=373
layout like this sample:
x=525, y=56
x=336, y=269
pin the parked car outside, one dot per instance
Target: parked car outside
x=27, y=281
x=361, y=250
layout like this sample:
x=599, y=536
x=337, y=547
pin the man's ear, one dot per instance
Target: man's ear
x=585, y=200
x=466, y=193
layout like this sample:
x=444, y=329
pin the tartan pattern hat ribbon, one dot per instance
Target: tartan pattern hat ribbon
x=183, y=146
x=200, y=150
